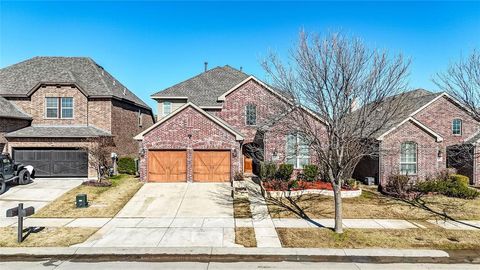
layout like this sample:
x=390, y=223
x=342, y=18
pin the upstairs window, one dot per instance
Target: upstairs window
x=67, y=107
x=298, y=150
x=59, y=107
x=167, y=108
x=140, y=120
x=251, y=115
x=51, y=107
x=457, y=127
x=408, y=158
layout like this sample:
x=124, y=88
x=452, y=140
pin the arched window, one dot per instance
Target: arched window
x=457, y=127
x=250, y=115
x=408, y=158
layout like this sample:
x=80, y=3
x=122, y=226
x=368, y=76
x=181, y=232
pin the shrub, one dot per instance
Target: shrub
x=398, y=185
x=310, y=172
x=450, y=187
x=126, y=165
x=284, y=172
x=351, y=183
x=461, y=179
x=267, y=170
x=238, y=176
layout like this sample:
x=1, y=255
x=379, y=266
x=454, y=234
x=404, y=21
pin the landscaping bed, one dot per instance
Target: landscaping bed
x=104, y=201
x=245, y=236
x=47, y=237
x=373, y=204
x=280, y=190
x=369, y=238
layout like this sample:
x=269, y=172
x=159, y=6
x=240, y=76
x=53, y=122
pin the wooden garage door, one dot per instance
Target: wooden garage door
x=211, y=166
x=167, y=166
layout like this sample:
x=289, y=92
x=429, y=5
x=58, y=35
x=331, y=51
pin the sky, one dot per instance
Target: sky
x=149, y=46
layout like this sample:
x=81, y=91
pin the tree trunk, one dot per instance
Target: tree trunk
x=338, y=209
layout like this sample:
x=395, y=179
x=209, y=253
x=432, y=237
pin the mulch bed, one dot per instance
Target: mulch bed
x=95, y=183
x=301, y=185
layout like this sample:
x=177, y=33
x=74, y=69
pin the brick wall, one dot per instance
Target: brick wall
x=205, y=134
x=99, y=113
x=427, y=150
x=125, y=127
x=233, y=112
x=8, y=125
x=35, y=106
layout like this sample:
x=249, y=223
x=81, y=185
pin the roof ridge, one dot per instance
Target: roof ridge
x=96, y=68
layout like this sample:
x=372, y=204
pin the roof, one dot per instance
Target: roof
x=23, y=78
x=10, y=110
x=205, y=88
x=220, y=122
x=58, y=132
x=413, y=101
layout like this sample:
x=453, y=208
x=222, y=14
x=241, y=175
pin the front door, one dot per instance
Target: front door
x=247, y=165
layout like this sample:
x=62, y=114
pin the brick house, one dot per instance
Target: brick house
x=424, y=139
x=206, y=123
x=53, y=108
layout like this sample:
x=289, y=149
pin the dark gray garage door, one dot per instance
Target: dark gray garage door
x=54, y=162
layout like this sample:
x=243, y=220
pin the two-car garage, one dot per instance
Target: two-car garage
x=54, y=162
x=173, y=165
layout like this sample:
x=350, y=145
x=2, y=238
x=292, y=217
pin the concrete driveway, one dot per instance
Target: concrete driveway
x=172, y=215
x=37, y=194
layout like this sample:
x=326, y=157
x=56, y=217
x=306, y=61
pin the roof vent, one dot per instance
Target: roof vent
x=124, y=91
x=206, y=66
x=114, y=82
x=241, y=68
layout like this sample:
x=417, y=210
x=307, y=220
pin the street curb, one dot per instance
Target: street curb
x=241, y=254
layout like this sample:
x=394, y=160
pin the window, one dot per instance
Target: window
x=51, y=107
x=408, y=158
x=167, y=108
x=457, y=127
x=298, y=151
x=67, y=107
x=57, y=107
x=140, y=121
x=250, y=115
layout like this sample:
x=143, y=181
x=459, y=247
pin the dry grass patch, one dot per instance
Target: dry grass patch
x=48, y=237
x=103, y=201
x=245, y=236
x=368, y=238
x=241, y=208
x=372, y=204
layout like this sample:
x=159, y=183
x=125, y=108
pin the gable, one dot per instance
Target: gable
x=190, y=119
x=411, y=130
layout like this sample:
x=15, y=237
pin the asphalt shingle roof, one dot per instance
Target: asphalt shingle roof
x=205, y=88
x=57, y=132
x=10, y=110
x=21, y=78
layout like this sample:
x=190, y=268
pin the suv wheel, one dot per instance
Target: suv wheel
x=24, y=177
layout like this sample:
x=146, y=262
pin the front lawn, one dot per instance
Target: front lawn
x=47, y=237
x=103, y=201
x=372, y=204
x=369, y=238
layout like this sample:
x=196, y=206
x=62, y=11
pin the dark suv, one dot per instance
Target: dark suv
x=13, y=172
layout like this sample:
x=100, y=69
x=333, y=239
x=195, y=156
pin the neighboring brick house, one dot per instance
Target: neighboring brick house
x=62, y=104
x=425, y=139
x=205, y=124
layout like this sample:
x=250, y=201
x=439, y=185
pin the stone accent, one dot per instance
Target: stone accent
x=190, y=130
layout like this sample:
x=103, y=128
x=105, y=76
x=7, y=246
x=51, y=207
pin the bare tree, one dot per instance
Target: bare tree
x=354, y=91
x=99, y=151
x=462, y=81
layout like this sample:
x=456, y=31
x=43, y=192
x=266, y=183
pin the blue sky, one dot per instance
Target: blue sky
x=149, y=46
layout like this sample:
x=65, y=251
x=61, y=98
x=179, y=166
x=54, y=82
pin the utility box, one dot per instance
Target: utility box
x=81, y=201
x=369, y=181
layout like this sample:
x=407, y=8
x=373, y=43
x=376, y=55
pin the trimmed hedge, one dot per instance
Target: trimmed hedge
x=126, y=165
x=454, y=186
x=284, y=172
x=462, y=179
x=310, y=172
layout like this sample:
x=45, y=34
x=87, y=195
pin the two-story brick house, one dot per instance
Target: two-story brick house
x=53, y=108
x=205, y=123
x=423, y=140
